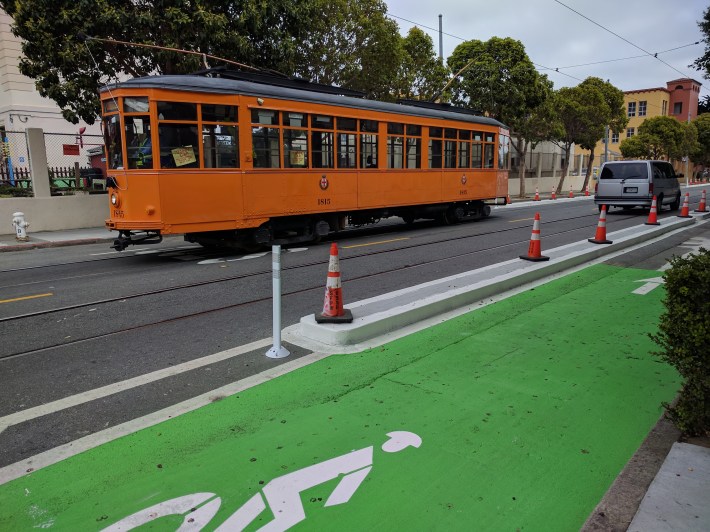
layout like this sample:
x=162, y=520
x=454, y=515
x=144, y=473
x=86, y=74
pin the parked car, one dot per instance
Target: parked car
x=631, y=184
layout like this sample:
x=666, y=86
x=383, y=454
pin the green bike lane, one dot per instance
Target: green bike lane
x=518, y=415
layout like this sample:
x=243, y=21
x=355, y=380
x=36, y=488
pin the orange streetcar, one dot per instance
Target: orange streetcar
x=230, y=159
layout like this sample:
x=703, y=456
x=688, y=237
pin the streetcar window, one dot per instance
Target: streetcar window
x=139, y=150
x=110, y=106
x=488, y=151
x=346, y=124
x=265, y=142
x=395, y=129
x=219, y=113
x=179, y=145
x=449, y=154
x=321, y=122
x=503, y=151
x=322, y=149
x=295, y=148
x=435, y=146
x=113, y=140
x=176, y=111
x=395, y=152
x=135, y=105
x=464, y=134
x=295, y=119
x=368, y=143
x=450, y=133
x=464, y=154
x=262, y=116
x=414, y=146
x=490, y=137
x=220, y=144
x=369, y=125
x=477, y=150
x=347, y=156
x=415, y=131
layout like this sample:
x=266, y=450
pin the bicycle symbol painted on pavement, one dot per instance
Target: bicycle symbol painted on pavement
x=282, y=495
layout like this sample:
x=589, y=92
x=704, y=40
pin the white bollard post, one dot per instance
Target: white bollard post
x=277, y=351
x=18, y=220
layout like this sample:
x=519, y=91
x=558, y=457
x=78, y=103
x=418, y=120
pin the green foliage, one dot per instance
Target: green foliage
x=8, y=191
x=703, y=63
x=684, y=339
x=423, y=75
x=346, y=42
x=667, y=137
x=635, y=148
x=701, y=155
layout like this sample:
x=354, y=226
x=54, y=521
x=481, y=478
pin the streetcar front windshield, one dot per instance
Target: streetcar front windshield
x=114, y=141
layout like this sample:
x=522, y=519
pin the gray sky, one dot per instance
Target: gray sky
x=556, y=37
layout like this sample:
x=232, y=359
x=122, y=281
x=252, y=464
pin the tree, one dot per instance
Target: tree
x=423, y=76
x=701, y=155
x=704, y=105
x=616, y=118
x=703, y=63
x=662, y=137
x=351, y=44
x=498, y=78
x=355, y=44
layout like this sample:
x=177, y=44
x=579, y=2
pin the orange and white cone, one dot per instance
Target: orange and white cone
x=702, y=207
x=586, y=190
x=685, y=211
x=534, y=249
x=653, y=214
x=333, y=311
x=571, y=194
x=537, y=195
x=507, y=199
x=600, y=237
x=554, y=193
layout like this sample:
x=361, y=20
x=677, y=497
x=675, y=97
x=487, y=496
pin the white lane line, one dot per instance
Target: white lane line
x=104, y=391
x=47, y=458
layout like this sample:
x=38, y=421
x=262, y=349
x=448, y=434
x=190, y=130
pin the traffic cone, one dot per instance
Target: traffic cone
x=537, y=195
x=534, y=252
x=586, y=190
x=507, y=199
x=600, y=237
x=333, y=311
x=653, y=214
x=554, y=193
x=685, y=211
x=701, y=207
x=571, y=194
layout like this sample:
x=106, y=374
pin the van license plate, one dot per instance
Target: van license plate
x=631, y=189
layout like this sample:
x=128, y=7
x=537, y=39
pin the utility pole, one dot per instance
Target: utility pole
x=441, y=40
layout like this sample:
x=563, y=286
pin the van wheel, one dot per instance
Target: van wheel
x=676, y=203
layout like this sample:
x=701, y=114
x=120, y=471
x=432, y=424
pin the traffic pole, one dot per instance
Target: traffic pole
x=277, y=351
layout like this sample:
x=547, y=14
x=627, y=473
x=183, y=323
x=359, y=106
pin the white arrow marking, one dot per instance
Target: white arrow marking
x=650, y=285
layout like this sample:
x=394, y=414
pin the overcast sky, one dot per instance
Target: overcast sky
x=556, y=37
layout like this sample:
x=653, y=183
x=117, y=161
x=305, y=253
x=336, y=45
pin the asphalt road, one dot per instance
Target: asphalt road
x=76, y=319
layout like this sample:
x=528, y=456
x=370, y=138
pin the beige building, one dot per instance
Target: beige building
x=678, y=99
x=21, y=106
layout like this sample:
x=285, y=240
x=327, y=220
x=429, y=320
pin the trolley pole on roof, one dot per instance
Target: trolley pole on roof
x=277, y=351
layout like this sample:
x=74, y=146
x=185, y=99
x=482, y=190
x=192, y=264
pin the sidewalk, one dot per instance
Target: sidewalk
x=516, y=415
x=69, y=237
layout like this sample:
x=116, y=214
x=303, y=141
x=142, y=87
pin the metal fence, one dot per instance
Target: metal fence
x=65, y=149
x=14, y=159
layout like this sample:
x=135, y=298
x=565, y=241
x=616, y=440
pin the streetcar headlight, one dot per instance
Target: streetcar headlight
x=115, y=201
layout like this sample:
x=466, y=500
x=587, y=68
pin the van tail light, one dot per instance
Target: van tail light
x=596, y=187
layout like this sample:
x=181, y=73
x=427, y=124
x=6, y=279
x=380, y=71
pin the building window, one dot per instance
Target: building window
x=664, y=110
x=631, y=109
x=642, y=108
x=678, y=108
x=614, y=138
x=629, y=132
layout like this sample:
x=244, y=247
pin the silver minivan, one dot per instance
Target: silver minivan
x=629, y=184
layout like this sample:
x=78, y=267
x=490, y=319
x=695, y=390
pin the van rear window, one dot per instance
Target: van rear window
x=624, y=171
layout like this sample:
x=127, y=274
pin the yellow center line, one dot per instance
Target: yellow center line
x=373, y=243
x=25, y=297
x=521, y=220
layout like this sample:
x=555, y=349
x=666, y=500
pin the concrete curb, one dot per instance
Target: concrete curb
x=380, y=316
x=57, y=244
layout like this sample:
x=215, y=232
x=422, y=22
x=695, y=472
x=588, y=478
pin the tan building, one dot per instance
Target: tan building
x=21, y=106
x=678, y=99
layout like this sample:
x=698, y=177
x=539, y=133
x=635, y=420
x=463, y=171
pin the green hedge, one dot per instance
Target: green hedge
x=684, y=338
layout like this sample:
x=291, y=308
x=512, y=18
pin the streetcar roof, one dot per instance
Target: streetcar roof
x=195, y=83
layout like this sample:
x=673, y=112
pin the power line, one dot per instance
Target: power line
x=655, y=56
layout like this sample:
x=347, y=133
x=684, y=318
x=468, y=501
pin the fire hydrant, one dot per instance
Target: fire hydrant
x=20, y=226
